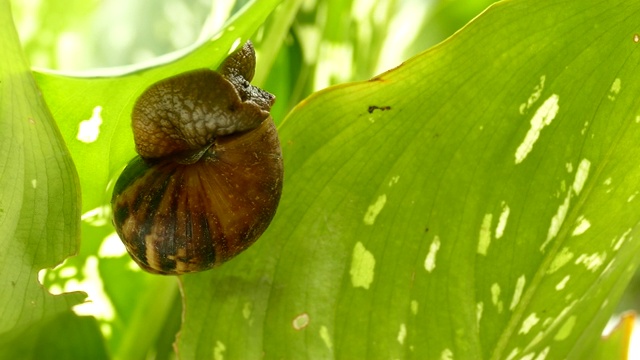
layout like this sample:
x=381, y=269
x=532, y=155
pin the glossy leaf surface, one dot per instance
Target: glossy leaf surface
x=477, y=201
x=39, y=209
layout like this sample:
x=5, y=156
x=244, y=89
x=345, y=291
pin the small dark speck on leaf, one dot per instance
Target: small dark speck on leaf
x=372, y=108
x=426, y=230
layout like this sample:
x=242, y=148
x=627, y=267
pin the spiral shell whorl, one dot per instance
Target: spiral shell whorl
x=188, y=205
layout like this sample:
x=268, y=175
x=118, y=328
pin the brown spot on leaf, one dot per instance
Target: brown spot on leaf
x=373, y=108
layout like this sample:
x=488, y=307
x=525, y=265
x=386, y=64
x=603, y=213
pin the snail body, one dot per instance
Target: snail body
x=208, y=177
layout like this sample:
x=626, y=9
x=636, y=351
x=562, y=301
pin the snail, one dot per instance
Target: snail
x=208, y=178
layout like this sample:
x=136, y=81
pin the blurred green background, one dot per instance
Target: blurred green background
x=329, y=41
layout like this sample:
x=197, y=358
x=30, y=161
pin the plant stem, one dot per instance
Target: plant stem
x=149, y=316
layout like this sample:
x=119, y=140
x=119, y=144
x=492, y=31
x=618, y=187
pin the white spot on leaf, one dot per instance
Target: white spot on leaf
x=565, y=329
x=362, y=267
x=543, y=117
x=301, y=321
x=512, y=355
x=528, y=323
x=543, y=354
x=374, y=210
x=584, y=129
x=234, y=46
x=517, y=293
x=592, y=262
x=502, y=221
x=89, y=130
x=414, y=307
x=617, y=243
x=561, y=259
x=558, y=219
x=569, y=167
x=218, y=351
x=484, y=239
x=615, y=89
x=495, y=297
x=479, y=310
x=326, y=338
x=537, y=91
x=246, y=310
x=402, y=333
x=430, y=261
x=563, y=283
x=529, y=356
x=581, y=176
x=447, y=354
x=583, y=225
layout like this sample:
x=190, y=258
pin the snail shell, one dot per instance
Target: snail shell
x=209, y=176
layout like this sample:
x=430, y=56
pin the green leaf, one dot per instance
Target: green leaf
x=479, y=201
x=65, y=336
x=616, y=344
x=39, y=207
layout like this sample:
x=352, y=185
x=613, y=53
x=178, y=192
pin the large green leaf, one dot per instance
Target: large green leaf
x=477, y=202
x=39, y=214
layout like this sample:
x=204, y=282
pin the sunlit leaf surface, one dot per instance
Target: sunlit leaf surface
x=39, y=212
x=477, y=202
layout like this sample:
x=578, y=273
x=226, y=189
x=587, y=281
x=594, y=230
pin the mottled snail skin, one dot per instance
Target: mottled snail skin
x=209, y=176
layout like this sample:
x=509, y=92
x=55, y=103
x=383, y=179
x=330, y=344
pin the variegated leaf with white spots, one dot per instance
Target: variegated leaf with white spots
x=479, y=201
